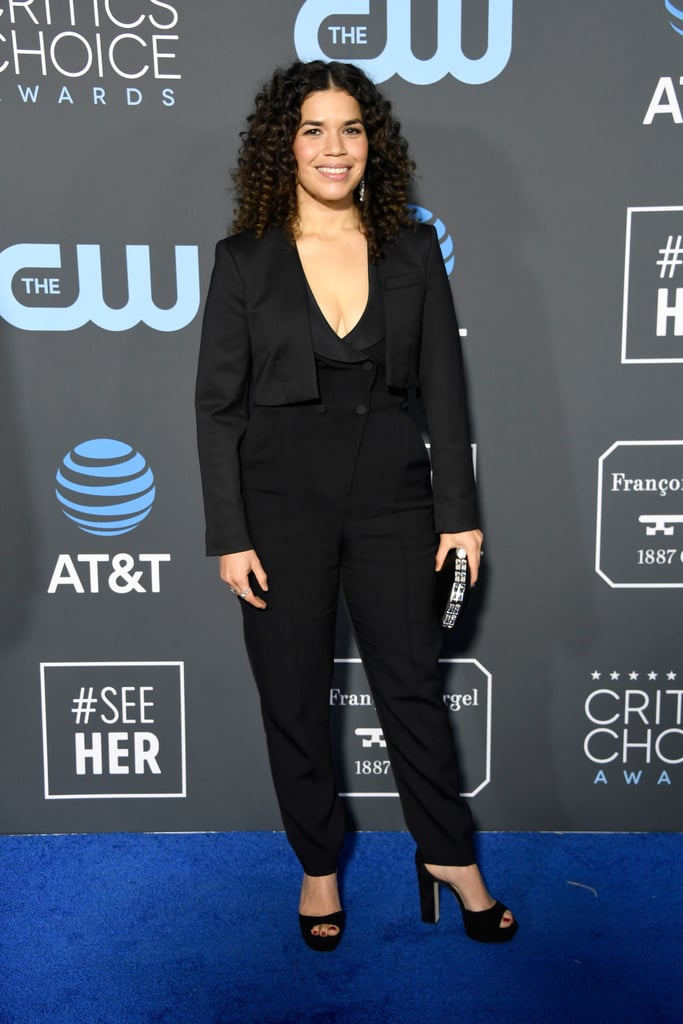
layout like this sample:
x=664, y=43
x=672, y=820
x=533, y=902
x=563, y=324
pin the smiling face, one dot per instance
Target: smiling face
x=330, y=148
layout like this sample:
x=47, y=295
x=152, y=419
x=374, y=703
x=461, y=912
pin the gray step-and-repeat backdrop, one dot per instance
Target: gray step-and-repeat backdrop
x=548, y=139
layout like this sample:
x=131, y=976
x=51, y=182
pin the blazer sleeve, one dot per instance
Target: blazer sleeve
x=221, y=402
x=442, y=387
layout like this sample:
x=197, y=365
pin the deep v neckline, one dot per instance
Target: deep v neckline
x=340, y=337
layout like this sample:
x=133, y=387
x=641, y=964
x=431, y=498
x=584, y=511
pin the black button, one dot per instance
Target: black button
x=368, y=365
x=321, y=408
x=361, y=409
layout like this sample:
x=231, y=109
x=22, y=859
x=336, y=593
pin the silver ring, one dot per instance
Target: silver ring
x=232, y=591
x=245, y=592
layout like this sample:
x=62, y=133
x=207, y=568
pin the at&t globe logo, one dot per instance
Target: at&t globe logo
x=424, y=216
x=676, y=20
x=105, y=487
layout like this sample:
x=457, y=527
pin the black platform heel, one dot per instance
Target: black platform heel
x=322, y=943
x=480, y=925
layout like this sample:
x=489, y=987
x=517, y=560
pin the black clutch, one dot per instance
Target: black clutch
x=458, y=559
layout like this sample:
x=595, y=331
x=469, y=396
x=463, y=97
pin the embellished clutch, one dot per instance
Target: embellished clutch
x=458, y=589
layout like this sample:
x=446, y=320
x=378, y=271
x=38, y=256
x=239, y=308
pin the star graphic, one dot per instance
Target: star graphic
x=652, y=676
x=633, y=676
x=671, y=676
x=595, y=675
x=614, y=676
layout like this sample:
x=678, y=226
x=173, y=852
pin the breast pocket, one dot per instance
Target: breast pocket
x=411, y=280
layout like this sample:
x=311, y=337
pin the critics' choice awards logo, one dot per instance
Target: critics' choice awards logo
x=634, y=726
x=113, y=729
x=33, y=300
x=68, y=53
x=361, y=751
x=380, y=39
x=639, y=535
x=107, y=489
x=652, y=327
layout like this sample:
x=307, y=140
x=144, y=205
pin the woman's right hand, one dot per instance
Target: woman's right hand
x=234, y=570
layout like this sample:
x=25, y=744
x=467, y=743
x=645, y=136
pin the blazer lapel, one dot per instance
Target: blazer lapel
x=281, y=321
x=402, y=282
x=287, y=295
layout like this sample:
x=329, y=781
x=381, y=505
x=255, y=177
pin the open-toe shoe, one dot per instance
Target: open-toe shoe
x=322, y=943
x=480, y=925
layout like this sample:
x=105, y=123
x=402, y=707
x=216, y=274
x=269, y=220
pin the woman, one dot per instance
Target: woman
x=327, y=305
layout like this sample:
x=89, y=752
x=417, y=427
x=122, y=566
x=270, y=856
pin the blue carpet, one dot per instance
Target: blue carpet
x=201, y=929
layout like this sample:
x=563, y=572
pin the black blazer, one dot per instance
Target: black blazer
x=256, y=349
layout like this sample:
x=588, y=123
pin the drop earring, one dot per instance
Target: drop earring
x=361, y=191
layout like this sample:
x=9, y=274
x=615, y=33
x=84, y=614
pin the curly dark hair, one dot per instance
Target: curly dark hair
x=265, y=178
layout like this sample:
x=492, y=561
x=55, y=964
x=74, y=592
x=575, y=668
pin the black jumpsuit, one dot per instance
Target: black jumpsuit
x=339, y=491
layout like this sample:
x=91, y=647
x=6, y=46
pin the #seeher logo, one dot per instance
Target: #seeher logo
x=425, y=216
x=677, y=14
x=105, y=487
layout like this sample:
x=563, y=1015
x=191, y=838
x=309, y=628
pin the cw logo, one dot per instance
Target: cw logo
x=397, y=58
x=89, y=304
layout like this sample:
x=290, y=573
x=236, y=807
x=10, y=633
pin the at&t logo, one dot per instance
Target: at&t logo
x=107, y=489
x=397, y=57
x=31, y=300
x=665, y=101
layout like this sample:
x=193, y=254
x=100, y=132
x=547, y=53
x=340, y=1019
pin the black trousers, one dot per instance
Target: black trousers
x=338, y=494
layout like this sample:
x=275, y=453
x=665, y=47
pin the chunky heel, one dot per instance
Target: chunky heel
x=429, y=893
x=480, y=925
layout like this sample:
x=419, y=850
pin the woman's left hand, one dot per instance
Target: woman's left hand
x=471, y=541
